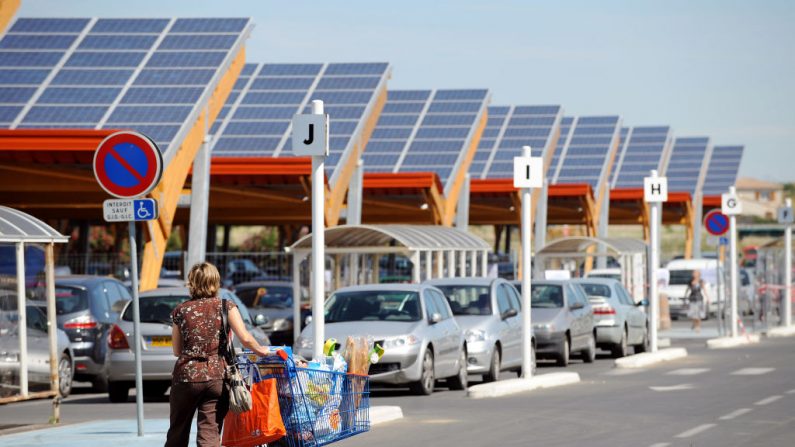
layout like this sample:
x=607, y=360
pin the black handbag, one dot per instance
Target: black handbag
x=239, y=392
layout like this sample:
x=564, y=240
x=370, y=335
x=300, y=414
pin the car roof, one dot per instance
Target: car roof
x=463, y=281
x=172, y=291
x=81, y=279
x=253, y=284
x=385, y=287
x=543, y=282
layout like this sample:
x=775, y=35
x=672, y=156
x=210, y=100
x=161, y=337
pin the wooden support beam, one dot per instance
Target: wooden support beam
x=7, y=10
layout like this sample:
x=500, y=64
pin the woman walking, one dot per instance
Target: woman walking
x=695, y=295
x=198, y=377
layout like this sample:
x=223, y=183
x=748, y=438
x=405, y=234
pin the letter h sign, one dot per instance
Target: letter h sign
x=655, y=189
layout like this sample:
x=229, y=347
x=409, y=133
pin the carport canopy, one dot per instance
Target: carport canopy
x=20, y=228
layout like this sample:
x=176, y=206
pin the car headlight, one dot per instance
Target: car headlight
x=475, y=335
x=304, y=343
x=399, y=342
x=282, y=324
x=544, y=327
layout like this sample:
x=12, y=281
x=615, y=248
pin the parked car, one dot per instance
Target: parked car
x=87, y=307
x=563, y=321
x=273, y=300
x=620, y=323
x=489, y=312
x=681, y=273
x=241, y=270
x=414, y=324
x=38, y=344
x=611, y=273
x=156, y=355
x=162, y=283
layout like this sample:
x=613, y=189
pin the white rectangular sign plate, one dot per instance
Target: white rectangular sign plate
x=528, y=172
x=310, y=135
x=731, y=205
x=785, y=215
x=129, y=210
x=655, y=189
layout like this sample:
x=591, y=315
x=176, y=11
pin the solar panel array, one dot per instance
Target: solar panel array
x=425, y=131
x=723, y=168
x=588, y=150
x=509, y=128
x=643, y=148
x=686, y=164
x=622, y=140
x=565, y=132
x=256, y=118
x=143, y=74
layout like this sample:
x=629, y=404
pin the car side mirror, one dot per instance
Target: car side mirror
x=509, y=313
x=260, y=320
x=307, y=320
x=642, y=303
x=576, y=306
x=118, y=306
x=436, y=317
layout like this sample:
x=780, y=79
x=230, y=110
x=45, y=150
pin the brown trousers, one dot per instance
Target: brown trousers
x=211, y=399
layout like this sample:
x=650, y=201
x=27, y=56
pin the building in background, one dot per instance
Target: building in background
x=760, y=198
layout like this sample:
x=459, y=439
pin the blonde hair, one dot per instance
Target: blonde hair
x=204, y=280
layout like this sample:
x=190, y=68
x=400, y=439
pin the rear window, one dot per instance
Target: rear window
x=266, y=296
x=373, y=306
x=615, y=276
x=468, y=300
x=596, y=290
x=546, y=296
x=155, y=309
x=681, y=277
x=70, y=299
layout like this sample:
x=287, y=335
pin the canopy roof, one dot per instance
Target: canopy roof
x=361, y=238
x=16, y=226
x=579, y=246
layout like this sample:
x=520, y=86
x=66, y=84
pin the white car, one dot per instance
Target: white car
x=681, y=273
x=605, y=273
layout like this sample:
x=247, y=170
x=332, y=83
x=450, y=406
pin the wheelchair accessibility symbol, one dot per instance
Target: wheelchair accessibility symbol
x=145, y=209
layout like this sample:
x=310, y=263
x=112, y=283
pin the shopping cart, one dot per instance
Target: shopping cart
x=318, y=407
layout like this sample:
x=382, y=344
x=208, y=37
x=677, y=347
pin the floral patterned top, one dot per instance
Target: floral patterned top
x=199, y=322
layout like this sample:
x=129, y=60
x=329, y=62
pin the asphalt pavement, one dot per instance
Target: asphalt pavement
x=734, y=397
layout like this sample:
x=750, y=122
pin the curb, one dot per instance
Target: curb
x=780, y=332
x=650, y=358
x=663, y=342
x=384, y=414
x=732, y=342
x=514, y=386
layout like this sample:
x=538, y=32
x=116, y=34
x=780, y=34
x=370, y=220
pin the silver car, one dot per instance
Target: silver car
x=489, y=312
x=421, y=338
x=563, y=321
x=157, y=357
x=620, y=323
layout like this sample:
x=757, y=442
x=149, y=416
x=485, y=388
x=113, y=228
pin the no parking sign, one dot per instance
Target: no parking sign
x=128, y=164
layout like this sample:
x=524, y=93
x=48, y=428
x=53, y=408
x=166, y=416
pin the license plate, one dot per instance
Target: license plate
x=160, y=342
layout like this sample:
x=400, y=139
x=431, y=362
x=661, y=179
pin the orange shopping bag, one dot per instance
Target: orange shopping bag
x=260, y=425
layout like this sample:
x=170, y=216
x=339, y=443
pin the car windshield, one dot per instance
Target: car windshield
x=70, y=299
x=546, y=296
x=266, y=296
x=373, y=305
x=681, y=277
x=468, y=300
x=155, y=309
x=596, y=289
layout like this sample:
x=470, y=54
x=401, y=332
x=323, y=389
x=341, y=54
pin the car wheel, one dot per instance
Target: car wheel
x=65, y=375
x=494, y=369
x=425, y=385
x=461, y=380
x=563, y=355
x=118, y=392
x=589, y=353
x=621, y=349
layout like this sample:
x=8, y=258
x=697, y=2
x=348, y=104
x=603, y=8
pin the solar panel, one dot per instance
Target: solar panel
x=148, y=75
x=507, y=131
x=266, y=97
x=686, y=164
x=589, y=151
x=565, y=131
x=425, y=131
x=642, y=149
x=724, y=165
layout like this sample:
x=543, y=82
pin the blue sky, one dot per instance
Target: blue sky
x=724, y=69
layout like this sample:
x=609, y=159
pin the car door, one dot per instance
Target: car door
x=516, y=325
x=38, y=345
x=435, y=331
x=578, y=318
x=636, y=320
x=450, y=334
x=506, y=331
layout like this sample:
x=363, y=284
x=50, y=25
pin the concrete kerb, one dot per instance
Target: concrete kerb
x=732, y=342
x=514, y=386
x=650, y=358
x=781, y=331
x=664, y=342
x=384, y=414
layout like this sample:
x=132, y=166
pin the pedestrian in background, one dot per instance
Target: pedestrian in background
x=695, y=297
x=198, y=377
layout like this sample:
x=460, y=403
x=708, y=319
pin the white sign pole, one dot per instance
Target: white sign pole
x=318, y=241
x=139, y=385
x=788, y=266
x=655, y=192
x=527, y=174
x=731, y=207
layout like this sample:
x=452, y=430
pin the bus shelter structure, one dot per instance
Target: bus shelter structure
x=630, y=254
x=20, y=230
x=354, y=254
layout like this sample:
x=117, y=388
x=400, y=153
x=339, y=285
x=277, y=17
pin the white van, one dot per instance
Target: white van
x=681, y=273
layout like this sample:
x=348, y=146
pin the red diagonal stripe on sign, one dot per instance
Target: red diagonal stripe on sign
x=126, y=165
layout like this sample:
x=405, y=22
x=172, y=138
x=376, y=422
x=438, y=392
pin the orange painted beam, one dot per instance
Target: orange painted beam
x=7, y=10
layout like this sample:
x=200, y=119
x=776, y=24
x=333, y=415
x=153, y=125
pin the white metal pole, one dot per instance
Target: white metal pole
x=416, y=268
x=199, y=205
x=654, y=264
x=52, y=334
x=484, y=263
x=22, y=327
x=296, y=298
x=788, y=271
x=473, y=266
x=439, y=264
x=318, y=242
x=527, y=321
x=462, y=263
x=451, y=263
x=428, y=265
x=733, y=267
x=139, y=385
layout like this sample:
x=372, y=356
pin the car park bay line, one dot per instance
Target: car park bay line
x=682, y=387
x=768, y=400
x=661, y=444
x=687, y=371
x=734, y=414
x=695, y=430
x=792, y=391
x=753, y=371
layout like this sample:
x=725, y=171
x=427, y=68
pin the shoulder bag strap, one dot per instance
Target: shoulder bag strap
x=226, y=346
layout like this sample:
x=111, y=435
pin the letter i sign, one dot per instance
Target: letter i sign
x=655, y=189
